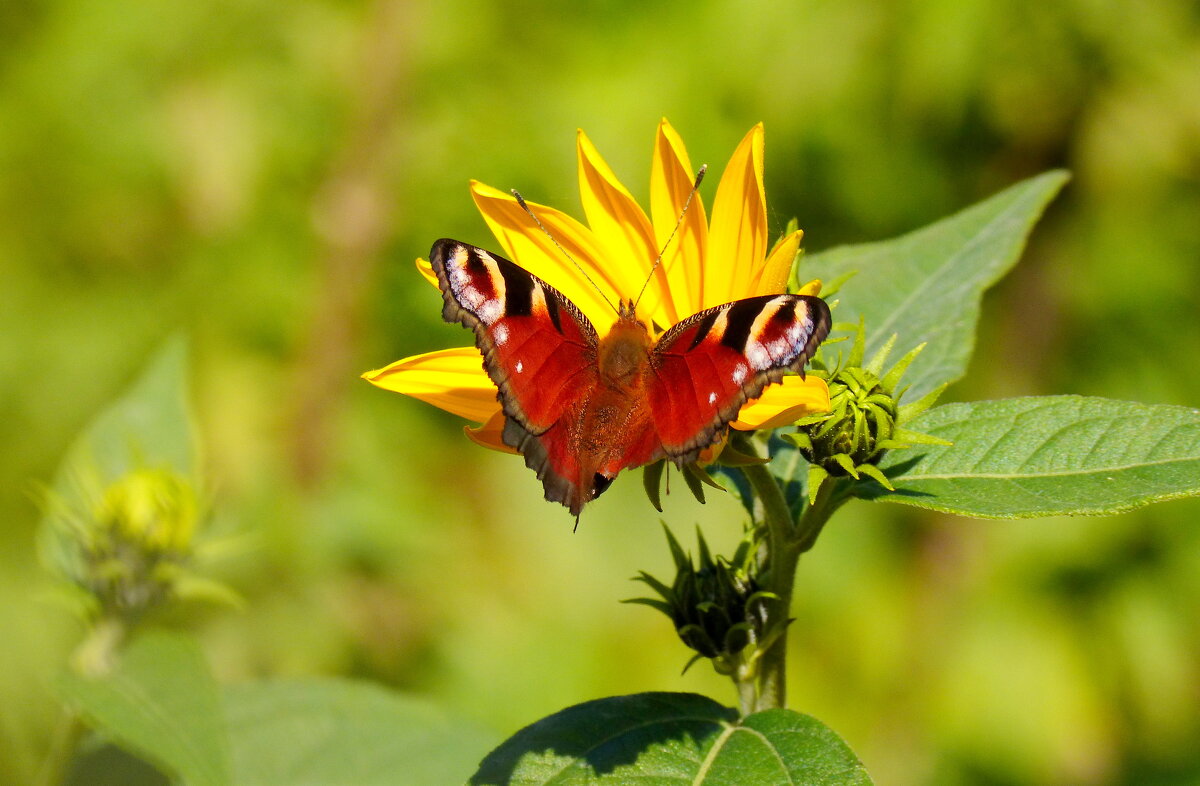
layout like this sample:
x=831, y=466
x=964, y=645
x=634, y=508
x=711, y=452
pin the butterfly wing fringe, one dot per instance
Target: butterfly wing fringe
x=537, y=457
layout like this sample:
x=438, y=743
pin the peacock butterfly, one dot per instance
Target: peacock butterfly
x=580, y=407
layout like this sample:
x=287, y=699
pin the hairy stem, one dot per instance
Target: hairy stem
x=747, y=696
x=786, y=541
x=772, y=678
x=779, y=558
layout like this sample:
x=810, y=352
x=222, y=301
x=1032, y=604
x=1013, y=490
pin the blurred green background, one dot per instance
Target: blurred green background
x=260, y=177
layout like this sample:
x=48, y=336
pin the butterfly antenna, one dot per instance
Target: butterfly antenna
x=538, y=221
x=687, y=203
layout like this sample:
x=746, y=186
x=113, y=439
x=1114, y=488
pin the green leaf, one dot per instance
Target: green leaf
x=734, y=481
x=161, y=702
x=782, y=746
x=732, y=457
x=873, y=472
x=1047, y=456
x=703, y=476
x=788, y=466
x=317, y=732
x=100, y=764
x=148, y=425
x=926, y=286
x=671, y=739
x=659, y=738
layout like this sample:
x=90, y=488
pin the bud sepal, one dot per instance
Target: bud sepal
x=865, y=417
x=718, y=606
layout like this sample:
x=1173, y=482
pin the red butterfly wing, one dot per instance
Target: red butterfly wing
x=708, y=366
x=543, y=355
x=537, y=347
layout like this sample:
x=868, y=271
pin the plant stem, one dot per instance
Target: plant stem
x=98, y=651
x=93, y=657
x=747, y=696
x=780, y=558
x=772, y=678
x=785, y=542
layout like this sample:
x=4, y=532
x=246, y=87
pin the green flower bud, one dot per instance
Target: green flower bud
x=153, y=508
x=136, y=541
x=862, y=415
x=717, y=606
x=864, y=419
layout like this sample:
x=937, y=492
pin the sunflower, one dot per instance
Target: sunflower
x=709, y=261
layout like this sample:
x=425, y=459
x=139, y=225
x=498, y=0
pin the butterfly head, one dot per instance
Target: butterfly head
x=624, y=351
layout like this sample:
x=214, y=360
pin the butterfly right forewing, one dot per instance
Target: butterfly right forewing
x=708, y=366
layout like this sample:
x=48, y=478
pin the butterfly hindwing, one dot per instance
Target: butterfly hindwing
x=538, y=349
x=706, y=367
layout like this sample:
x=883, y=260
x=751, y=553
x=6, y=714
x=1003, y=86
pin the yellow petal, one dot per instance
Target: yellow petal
x=671, y=180
x=426, y=270
x=774, y=275
x=526, y=244
x=452, y=379
x=737, y=239
x=811, y=288
x=489, y=434
x=709, y=454
x=790, y=399
x=620, y=225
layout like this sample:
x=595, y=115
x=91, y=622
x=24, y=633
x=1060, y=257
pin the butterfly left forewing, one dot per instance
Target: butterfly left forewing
x=706, y=367
x=536, y=344
x=538, y=349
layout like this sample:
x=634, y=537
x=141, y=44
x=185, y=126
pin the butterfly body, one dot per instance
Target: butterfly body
x=604, y=426
x=581, y=407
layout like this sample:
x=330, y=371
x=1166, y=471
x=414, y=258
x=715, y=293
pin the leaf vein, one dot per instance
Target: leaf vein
x=711, y=757
x=1050, y=474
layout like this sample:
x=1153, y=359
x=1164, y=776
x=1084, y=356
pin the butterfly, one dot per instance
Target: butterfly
x=582, y=407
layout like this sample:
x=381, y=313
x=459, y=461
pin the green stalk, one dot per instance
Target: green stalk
x=747, y=696
x=93, y=657
x=780, y=557
x=97, y=653
x=784, y=544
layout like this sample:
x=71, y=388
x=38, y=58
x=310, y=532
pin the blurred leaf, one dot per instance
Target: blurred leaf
x=926, y=286
x=148, y=425
x=161, y=702
x=1047, y=456
x=337, y=731
x=108, y=765
x=671, y=738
